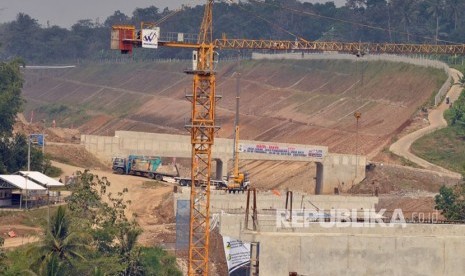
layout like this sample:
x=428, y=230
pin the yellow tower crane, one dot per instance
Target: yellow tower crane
x=203, y=100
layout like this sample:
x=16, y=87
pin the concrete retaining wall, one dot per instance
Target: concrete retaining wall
x=414, y=250
x=168, y=145
x=339, y=171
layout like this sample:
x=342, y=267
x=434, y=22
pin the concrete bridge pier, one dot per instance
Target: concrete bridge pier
x=319, y=178
x=221, y=168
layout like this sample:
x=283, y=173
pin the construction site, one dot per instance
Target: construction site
x=293, y=160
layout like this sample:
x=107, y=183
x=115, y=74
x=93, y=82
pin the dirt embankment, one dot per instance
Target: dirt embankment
x=401, y=180
x=295, y=101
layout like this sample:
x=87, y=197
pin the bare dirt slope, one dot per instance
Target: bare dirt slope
x=308, y=102
x=399, y=180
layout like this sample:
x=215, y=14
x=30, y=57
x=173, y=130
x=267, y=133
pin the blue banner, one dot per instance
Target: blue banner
x=37, y=139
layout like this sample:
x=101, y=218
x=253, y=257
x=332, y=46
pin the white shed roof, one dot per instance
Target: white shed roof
x=20, y=182
x=41, y=179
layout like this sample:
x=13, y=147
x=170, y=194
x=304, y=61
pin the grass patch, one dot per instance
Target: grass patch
x=5, y=213
x=37, y=217
x=19, y=261
x=402, y=160
x=444, y=147
x=71, y=114
x=158, y=262
x=61, y=159
x=32, y=217
x=53, y=171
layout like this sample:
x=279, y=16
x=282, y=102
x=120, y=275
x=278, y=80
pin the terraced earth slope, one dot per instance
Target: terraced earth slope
x=294, y=101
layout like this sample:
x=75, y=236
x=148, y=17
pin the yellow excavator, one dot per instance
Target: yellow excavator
x=237, y=181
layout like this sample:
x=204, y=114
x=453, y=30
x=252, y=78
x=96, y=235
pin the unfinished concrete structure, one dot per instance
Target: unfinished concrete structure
x=412, y=249
x=339, y=171
x=358, y=248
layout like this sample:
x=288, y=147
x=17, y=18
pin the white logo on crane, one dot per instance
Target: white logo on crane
x=150, y=37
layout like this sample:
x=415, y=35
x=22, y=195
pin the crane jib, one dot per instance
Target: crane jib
x=340, y=46
x=317, y=46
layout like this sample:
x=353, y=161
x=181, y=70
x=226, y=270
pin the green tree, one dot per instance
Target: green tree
x=451, y=202
x=436, y=9
x=118, y=17
x=149, y=14
x=155, y=261
x=52, y=267
x=61, y=245
x=454, y=9
x=21, y=37
x=11, y=102
x=113, y=233
x=13, y=148
x=456, y=115
x=13, y=156
x=406, y=11
x=3, y=266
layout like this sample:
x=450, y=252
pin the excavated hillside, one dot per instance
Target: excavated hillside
x=294, y=101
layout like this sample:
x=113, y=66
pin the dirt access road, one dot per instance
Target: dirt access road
x=145, y=202
x=436, y=119
x=24, y=235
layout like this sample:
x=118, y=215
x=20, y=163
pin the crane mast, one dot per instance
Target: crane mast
x=202, y=129
x=236, y=128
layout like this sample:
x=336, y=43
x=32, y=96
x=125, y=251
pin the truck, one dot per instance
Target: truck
x=147, y=166
x=237, y=182
x=187, y=181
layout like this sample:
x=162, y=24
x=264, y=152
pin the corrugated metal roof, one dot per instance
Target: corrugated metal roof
x=21, y=182
x=41, y=179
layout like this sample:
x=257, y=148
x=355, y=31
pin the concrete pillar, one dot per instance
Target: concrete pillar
x=254, y=257
x=221, y=168
x=319, y=178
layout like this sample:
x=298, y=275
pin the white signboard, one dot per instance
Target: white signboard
x=150, y=38
x=180, y=37
x=237, y=253
x=286, y=151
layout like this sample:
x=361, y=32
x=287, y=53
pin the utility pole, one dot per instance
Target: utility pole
x=48, y=206
x=29, y=153
x=357, y=116
x=27, y=176
x=43, y=138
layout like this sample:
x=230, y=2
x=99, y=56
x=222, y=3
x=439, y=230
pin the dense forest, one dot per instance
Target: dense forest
x=399, y=21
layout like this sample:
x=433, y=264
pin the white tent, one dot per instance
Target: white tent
x=18, y=182
x=41, y=179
